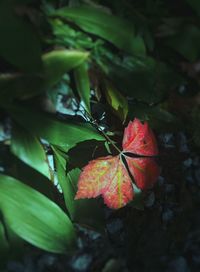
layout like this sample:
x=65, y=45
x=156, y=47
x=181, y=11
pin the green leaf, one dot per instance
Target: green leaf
x=29, y=149
x=187, y=42
x=83, y=84
x=144, y=79
x=34, y=217
x=4, y=246
x=19, y=42
x=64, y=134
x=104, y=25
x=58, y=62
x=19, y=86
x=117, y=101
x=84, y=211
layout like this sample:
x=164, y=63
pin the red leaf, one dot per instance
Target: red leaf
x=108, y=177
x=144, y=170
x=139, y=139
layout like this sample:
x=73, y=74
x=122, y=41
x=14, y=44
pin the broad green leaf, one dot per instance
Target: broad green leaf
x=18, y=169
x=117, y=101
x=34, y=217
x=83, y=84
x=28, y=148
x=19, y=42
x=58, y=62
x=86, y=212
x=104, y=25
x=64, y=134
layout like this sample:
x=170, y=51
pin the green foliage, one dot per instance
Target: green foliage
x=104, y=25
x=36, y=219
x=70, y=79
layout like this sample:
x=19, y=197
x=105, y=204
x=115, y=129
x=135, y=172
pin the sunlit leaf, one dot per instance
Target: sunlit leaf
x=83, y=84
x=111, y=178
x=106, y=176
x=139, y=139
x=117, y=101
x=58, y=62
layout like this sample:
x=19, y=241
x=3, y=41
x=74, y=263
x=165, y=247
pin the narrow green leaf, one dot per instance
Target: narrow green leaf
x=83, y=84
x=29, y=149
x=34, y=217
x=19, y=41
x=83, y=211
x=117, y=101
x=58, y=62
x=4, y=246
x=65, y=135
x=104, y=25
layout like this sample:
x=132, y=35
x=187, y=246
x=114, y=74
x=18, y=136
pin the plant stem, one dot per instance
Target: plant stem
x=100, y=130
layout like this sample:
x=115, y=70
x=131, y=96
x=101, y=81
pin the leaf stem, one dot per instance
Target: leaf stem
x=101, y=130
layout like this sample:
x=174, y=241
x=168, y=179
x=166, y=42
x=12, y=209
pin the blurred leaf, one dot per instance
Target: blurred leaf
x=58, y=62
x=34, y=217
x=19, y=86
x=64, y=134
x=144, y=79
x=187, y=42
x=4, y=246
x=66, y=36
x=19, y=42
x=106, y=26
x=117, y=101
x=195, y=4
x=85, y=212
x=157, y=117
x=83, y=84
x=28, y=148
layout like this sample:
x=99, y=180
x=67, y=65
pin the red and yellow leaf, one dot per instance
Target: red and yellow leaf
x=139, y=139
x=108, y=177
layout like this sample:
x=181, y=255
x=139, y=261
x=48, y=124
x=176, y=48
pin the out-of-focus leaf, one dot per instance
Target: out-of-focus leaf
x=144, y=79
x=66, y=36
x=106, y=26
x=19, y=86
x=195, y=4
x=187, y=42
x=85, y=211
x=83, y=84
x=34, y=217
x=64, y=134
x=58, y=62
x=19, y=42
x=28, y=148
x=157, y=117
x=117, y=101
x=4, y=246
